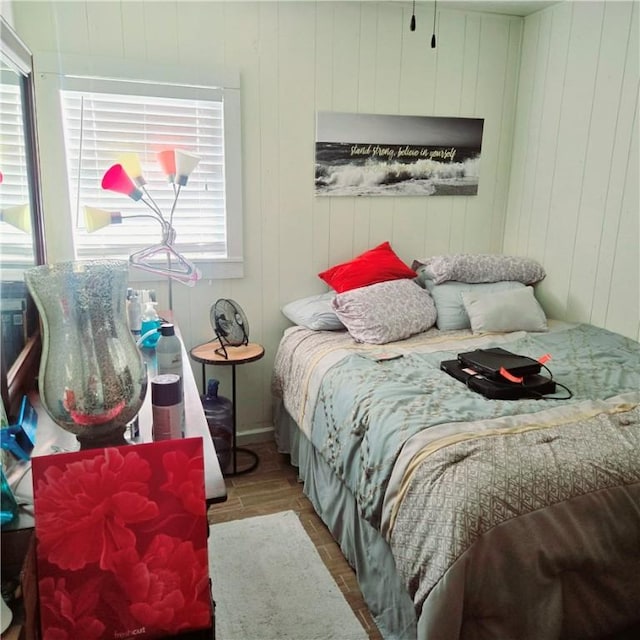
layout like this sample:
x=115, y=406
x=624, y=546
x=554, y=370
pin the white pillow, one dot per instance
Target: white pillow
x=515, y=310
x=386, y=311
x=314, y=312
x=448, y=298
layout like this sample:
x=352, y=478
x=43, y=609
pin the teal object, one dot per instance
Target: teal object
x=20, y=438
x=9, y=507
x=151, y=341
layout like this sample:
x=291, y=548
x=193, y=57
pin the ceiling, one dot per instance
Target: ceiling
x=509, y=7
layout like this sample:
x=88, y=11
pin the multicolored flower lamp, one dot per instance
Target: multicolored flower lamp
x=126, y=177
x=18, y=216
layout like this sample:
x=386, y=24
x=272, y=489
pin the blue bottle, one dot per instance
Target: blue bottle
x=219, y=414
x=150, y=320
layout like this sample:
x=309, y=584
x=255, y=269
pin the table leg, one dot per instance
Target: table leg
x=235, y=471
x=235, y=414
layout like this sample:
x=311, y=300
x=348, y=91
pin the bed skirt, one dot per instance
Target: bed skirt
x=362, y=545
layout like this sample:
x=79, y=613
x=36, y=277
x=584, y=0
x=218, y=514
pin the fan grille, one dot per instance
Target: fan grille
x=229, y=322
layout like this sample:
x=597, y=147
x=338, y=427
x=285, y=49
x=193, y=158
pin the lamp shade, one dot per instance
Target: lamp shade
x=167, y=160
x=131, y=164
x=18, y=216
x=116, y=179
x=95, y=219
x=185, y=164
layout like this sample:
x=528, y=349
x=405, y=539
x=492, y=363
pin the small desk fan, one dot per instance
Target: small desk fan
x=230, y=325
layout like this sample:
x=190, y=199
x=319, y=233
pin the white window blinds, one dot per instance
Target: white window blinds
x=16, y=242
x=99, y=126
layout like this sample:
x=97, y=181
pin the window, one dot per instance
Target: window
x=16, y=243
x=104, y=117
x=21, y=231
x=98, y=127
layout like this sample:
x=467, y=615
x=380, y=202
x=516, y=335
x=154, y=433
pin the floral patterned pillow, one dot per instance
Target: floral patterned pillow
x=474, y=268
x=386, y=311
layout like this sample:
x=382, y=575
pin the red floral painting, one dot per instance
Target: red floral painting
x=122, y=541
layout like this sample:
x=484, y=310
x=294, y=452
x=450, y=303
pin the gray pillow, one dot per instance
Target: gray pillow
x=515, y=310
x=452, y=314
x=386, y=311
x=422, y=276
x=314, y=312
x=482, y=267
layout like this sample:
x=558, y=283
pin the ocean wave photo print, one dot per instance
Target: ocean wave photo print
x=394, y=155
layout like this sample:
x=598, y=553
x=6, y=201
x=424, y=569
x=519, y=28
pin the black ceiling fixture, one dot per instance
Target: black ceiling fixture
x=412, y=24
x=433, y=36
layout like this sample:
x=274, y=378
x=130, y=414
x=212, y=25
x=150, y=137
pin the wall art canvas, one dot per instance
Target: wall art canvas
x=122, y=542
x=394, y=155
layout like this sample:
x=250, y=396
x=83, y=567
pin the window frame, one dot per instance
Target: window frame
x=69, y=72
x=20, y=377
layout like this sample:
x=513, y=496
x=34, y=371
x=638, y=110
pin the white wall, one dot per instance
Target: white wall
x=295, y=58
x=573, y=202
x=6, y=11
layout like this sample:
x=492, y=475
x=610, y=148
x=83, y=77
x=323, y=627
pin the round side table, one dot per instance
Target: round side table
x=207, y=354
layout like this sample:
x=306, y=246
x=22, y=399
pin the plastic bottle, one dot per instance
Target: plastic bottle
x=150, y=320
x=219, y=414
x=167, y=407
x=134, y=313
x=169, y=351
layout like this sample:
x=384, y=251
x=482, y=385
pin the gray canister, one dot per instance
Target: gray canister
x=166, y=405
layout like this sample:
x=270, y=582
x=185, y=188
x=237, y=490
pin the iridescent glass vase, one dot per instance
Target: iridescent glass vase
x=92, y=378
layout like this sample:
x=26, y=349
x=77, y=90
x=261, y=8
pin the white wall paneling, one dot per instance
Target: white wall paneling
x=573, y=202
x=295, y=58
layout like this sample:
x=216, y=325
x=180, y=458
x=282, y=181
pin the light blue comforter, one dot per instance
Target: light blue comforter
x=366, y=410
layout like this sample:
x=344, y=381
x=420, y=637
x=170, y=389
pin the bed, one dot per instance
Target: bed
x=466, y=517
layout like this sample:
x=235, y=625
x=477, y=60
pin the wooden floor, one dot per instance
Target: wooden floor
x=274, y=487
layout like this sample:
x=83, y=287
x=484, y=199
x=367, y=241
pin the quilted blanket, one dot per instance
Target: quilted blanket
x=439, y=469
x=363, y=409
x=465, y=486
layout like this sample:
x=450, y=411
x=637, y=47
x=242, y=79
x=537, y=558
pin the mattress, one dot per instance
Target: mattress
x=486, y=506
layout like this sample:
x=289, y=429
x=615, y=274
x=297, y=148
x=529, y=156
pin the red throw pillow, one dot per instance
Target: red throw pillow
x=376, y=265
